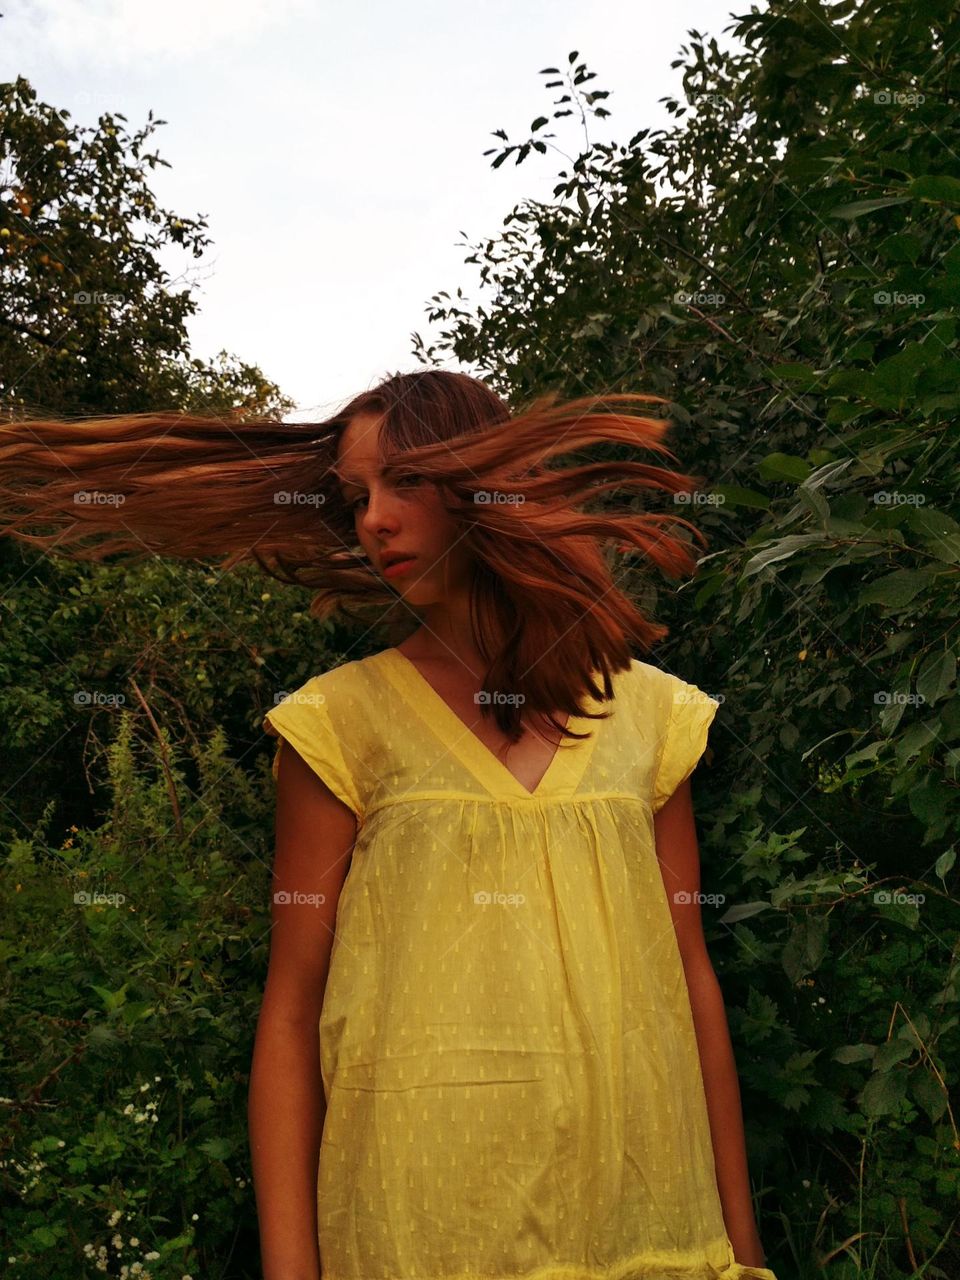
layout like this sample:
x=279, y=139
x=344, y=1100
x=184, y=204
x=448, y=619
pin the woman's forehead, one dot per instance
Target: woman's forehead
x=358, y=447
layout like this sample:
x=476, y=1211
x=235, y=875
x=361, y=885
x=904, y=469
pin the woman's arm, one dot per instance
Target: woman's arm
x=315, y=833
x=679, y=858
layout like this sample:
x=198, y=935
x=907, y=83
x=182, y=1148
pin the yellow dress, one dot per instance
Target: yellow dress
x=507, y=1048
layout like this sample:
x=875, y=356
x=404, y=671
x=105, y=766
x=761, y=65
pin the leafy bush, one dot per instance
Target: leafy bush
x=135, y=955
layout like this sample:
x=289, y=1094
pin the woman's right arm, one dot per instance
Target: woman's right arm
x=315, y=833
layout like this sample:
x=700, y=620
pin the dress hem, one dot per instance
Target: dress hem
x=644, y=1266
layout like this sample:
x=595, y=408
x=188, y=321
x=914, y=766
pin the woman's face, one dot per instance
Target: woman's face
x=400, y=515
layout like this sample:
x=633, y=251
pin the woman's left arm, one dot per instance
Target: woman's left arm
x=679, y=857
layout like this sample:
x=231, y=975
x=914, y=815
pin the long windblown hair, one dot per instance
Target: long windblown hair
x=545, y=608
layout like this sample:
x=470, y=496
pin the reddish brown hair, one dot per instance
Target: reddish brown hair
x=546, y=611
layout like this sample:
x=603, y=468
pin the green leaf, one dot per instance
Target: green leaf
x=111, y=999
x=901, y=248
x=895, y=589
x=930, y=522
x=782, y=549
x=854, y=1052
x=884, y=1092
x=735, y=496
x=815, y=502
x=742, y=911
x=938, y=187
x=937, y=675
x=784, y=466
x=805, y=948
x=860, y=207
x=868, y=752
x=218, y=1148
x=800, y=374
x=825, y=473
x=927, y=1090
x=911, y=742
x=889, y=1054
x=45, y=1237
x=946, y=549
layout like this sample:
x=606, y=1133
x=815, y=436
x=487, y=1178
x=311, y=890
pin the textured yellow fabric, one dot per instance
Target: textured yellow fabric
x=507, y=1048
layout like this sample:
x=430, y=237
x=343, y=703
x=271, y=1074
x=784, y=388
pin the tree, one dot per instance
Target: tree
x=90, y=323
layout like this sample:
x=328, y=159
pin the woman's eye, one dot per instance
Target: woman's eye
x=410, y=481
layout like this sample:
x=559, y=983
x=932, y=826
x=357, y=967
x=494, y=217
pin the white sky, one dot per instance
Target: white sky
x=336, y=149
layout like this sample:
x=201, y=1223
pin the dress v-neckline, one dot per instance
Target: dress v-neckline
x=561, y=775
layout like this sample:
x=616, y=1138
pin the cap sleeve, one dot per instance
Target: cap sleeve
x=687, y=713
x=304, y=719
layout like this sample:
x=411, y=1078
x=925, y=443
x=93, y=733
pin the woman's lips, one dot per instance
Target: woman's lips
x=398, y=567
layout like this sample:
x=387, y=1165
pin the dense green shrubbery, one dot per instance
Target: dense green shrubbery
x=135, y=955
x=782, y=264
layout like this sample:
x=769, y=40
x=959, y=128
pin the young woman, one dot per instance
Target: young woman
x=491, y=1042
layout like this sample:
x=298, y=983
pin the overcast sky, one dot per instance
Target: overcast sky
x=336, y=149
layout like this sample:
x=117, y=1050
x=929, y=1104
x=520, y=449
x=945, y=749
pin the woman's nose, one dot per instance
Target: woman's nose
x=379, y=514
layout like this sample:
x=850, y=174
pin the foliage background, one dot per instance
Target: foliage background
x=781, y=264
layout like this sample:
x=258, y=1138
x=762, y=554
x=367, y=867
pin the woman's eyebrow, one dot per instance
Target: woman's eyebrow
x=345, y=479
